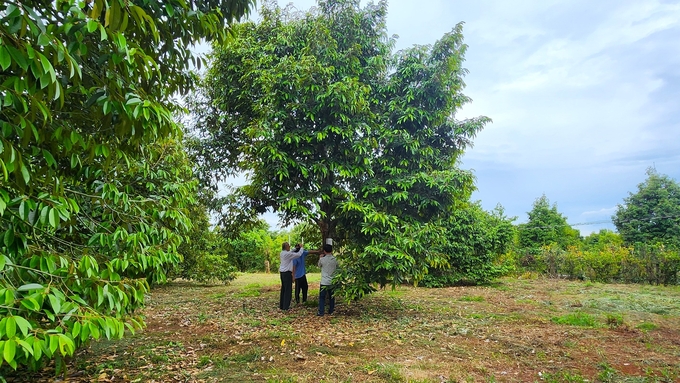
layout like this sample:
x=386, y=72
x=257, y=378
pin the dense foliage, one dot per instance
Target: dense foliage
x=546, y=226
x=94, y=184
x=652, y=214
x=614, y=262
x=474, y=243
x=334, y=129
x=204, y=253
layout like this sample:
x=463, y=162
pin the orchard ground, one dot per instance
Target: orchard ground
x=515, y=330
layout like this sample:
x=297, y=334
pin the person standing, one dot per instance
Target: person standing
x=286, y=272
x=328, y=264
x=300, y=274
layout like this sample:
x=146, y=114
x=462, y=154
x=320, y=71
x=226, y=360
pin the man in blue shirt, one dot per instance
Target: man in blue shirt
x=300, y=274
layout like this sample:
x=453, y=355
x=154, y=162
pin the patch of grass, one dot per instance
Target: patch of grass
x=564, y=377
x=252, y=355
x=203, y=361
x=390, y=372
x=279, y=334
x=395, y=292
x=249, y=294
x=647, y=326
x=252, y=322
x=468, y=298
x=579, y=319
x=279, y=321
x=614, y=320
x=607, y=373
x=218, y=296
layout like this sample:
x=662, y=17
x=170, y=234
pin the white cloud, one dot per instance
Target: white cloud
x=601, y=212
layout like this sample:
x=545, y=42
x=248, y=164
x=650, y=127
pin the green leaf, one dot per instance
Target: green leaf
x=23, y=324
x=5, y=58
x=54, y=343
x=10, y=327
x=54, y=218
x=37, y=348
x=24, y=210
x=30, y=286
x=9, y=351
x=30, y=304
x=66, y=345
x=55, y=302
x=25, y=173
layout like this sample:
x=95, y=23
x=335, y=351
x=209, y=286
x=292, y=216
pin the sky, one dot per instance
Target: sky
x=584, y=97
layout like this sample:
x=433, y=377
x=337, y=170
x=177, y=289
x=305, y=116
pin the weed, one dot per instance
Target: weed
x=202, y=318
x=159, y=358
x=614, y=320
x=647, y=326
x=608, y=373
x=203, y=361
x=580, y=319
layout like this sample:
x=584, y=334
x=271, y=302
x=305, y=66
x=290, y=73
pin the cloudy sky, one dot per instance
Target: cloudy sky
x=584, y=96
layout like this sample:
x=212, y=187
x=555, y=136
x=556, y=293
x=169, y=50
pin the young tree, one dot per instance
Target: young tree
x=331, y=128
x=94, y=182
x=473, y=242
x=546, y=226
x=652, y=214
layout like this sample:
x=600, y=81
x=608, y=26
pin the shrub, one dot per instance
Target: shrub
x=474, y=244
x=210, y=268
x=611, y=262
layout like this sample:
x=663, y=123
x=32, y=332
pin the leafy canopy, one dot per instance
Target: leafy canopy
x=546, y=226
x=93, y=182
x=334, y=129
x=652, y=214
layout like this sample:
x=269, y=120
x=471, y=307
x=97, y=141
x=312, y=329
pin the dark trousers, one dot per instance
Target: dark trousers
x=301, y=285
x=326, y=291
x=286, y=290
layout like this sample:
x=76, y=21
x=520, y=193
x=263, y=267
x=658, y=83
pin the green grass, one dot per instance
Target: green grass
x=647, y=326
x=468, y=298
x=579, y=319
x=564, y=377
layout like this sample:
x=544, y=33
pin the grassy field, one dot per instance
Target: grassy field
x=516, y=330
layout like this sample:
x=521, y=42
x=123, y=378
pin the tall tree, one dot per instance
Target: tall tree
x=334, y=129
x=546, y=225
x=652, y=214
x=93, y=181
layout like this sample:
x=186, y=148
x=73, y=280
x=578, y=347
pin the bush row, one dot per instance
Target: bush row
x=643, y=263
